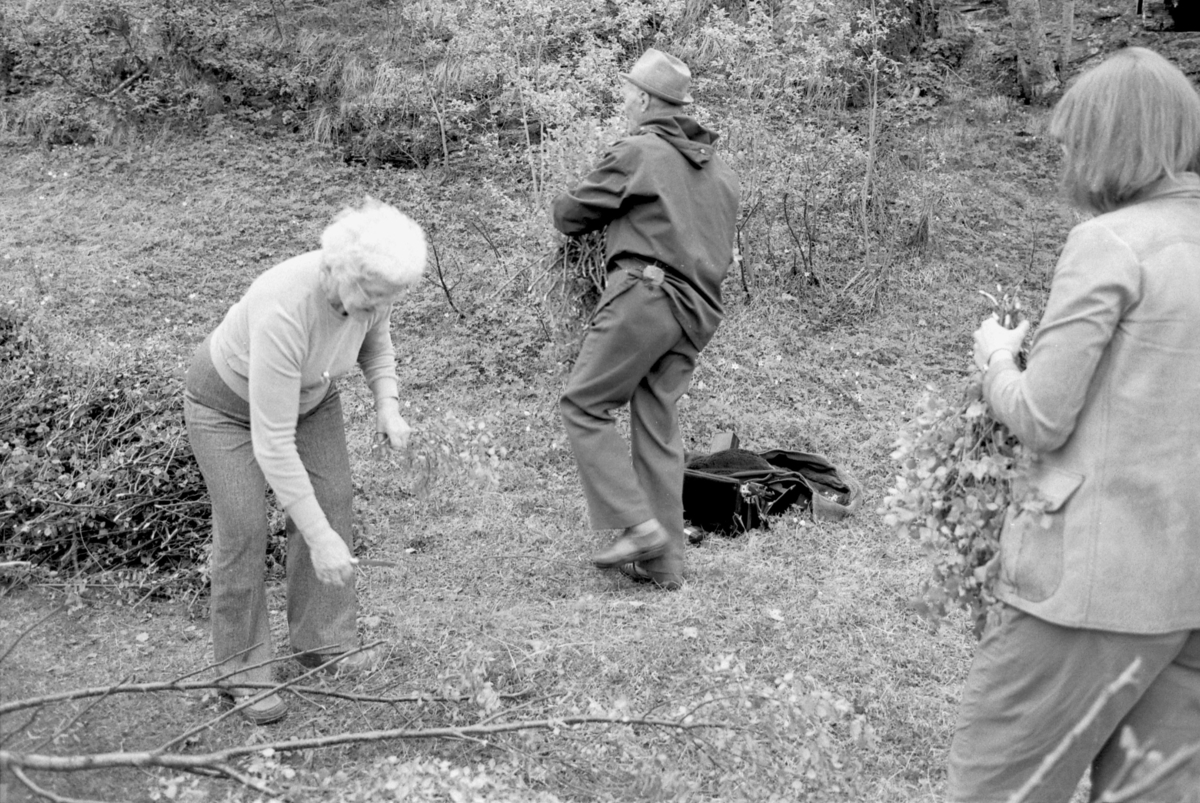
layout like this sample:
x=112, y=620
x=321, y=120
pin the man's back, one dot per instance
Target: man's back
x=665, y=194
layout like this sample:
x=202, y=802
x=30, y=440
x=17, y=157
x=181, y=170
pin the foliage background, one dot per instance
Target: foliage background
x=157, y=156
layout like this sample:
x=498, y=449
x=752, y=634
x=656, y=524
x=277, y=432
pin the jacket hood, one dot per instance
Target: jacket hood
x=686, y=135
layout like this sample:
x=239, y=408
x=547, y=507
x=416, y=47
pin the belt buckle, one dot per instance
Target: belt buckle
x=653, y=274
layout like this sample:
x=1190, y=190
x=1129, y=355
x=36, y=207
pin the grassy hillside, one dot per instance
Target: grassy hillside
x=130, y=249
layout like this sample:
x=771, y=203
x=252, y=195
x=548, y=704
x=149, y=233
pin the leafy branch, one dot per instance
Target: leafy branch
x=1147, y=770
x=956, y=467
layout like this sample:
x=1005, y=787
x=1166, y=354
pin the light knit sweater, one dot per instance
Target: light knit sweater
x=280, y=348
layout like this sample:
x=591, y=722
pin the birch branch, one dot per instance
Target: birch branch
x=1048, y=763
x=205, y=762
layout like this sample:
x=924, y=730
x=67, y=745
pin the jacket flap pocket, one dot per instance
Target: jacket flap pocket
x=1053, y=487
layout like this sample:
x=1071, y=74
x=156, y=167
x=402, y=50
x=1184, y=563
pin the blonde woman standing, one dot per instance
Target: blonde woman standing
x=1101, y=564
x=262, y=408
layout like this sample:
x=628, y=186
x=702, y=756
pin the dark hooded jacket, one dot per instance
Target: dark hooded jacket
x=666, y=196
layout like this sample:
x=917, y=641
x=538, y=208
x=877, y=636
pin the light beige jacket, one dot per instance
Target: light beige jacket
x=1110, y=404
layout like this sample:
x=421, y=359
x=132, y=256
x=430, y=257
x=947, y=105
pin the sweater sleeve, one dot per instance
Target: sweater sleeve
x=600, y=197
x=1097, y=279
x=278, y=343
x=377, y=359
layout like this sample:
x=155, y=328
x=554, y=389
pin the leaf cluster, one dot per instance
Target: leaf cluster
x=95, y=469
x=789, y=738
x=956, y=466
x=446, y=453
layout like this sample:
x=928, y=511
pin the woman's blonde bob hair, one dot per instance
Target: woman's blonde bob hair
x=1126, y=124
x=374, y=241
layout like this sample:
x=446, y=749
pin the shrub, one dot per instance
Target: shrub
x=95, y=469
x=86, y=71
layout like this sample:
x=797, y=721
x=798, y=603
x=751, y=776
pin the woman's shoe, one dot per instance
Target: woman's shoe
x=271, y=708
x=360, y=663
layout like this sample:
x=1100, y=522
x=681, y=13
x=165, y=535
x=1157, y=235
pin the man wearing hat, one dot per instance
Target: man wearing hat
x=670, y=204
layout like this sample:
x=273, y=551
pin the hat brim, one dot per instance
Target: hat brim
x=658, y=93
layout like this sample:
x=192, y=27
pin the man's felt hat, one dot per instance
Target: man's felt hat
x=662, y=75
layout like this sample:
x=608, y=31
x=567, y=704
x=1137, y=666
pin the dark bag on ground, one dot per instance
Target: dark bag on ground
x=733, y=490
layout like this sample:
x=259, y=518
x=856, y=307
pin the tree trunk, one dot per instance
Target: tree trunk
x=1035, y=68
x=1068, y=34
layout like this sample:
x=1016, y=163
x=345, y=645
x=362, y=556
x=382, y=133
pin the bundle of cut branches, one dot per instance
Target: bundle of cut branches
x=957, y=463
x=570, y=284
x=95, y=469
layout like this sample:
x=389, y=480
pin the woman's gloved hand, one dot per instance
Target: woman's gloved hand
x=331, y=558
x=991, y=337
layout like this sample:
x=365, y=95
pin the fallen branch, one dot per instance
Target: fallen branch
x=177, y=684
x=201, y=685
x=210, y=761
x=250, y=700
x=218, y=760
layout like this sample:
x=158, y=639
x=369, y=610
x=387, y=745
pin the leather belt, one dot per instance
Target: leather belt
x=651, y=271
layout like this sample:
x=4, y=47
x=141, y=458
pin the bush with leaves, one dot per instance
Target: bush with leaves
x=957, y=464
x=85, y=71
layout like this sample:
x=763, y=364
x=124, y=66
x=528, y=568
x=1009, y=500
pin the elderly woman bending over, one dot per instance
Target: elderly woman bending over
x=1101, y=565
x=262, y=408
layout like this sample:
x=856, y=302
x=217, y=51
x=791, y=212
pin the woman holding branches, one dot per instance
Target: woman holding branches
x=1100, y=553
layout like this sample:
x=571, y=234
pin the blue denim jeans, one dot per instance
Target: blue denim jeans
x=321, y=617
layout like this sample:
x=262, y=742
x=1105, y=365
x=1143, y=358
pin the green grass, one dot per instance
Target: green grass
x=142, y=247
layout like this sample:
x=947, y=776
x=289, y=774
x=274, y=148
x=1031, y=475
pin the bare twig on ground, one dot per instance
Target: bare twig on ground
x=20, y=775
x=66, y=726
x=262, y=695
x=29, y=630
x=216, y=664
x=24, y=726
x=203, y=685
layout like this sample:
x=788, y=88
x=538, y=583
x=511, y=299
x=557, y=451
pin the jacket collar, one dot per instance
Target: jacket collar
x=685, y=134
x=1181, y=185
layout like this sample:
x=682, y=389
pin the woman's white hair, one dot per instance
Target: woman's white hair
x=375, y=240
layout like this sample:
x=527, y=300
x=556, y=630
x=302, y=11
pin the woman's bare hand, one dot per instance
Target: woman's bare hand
x=390, y=425
x=331, y=559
